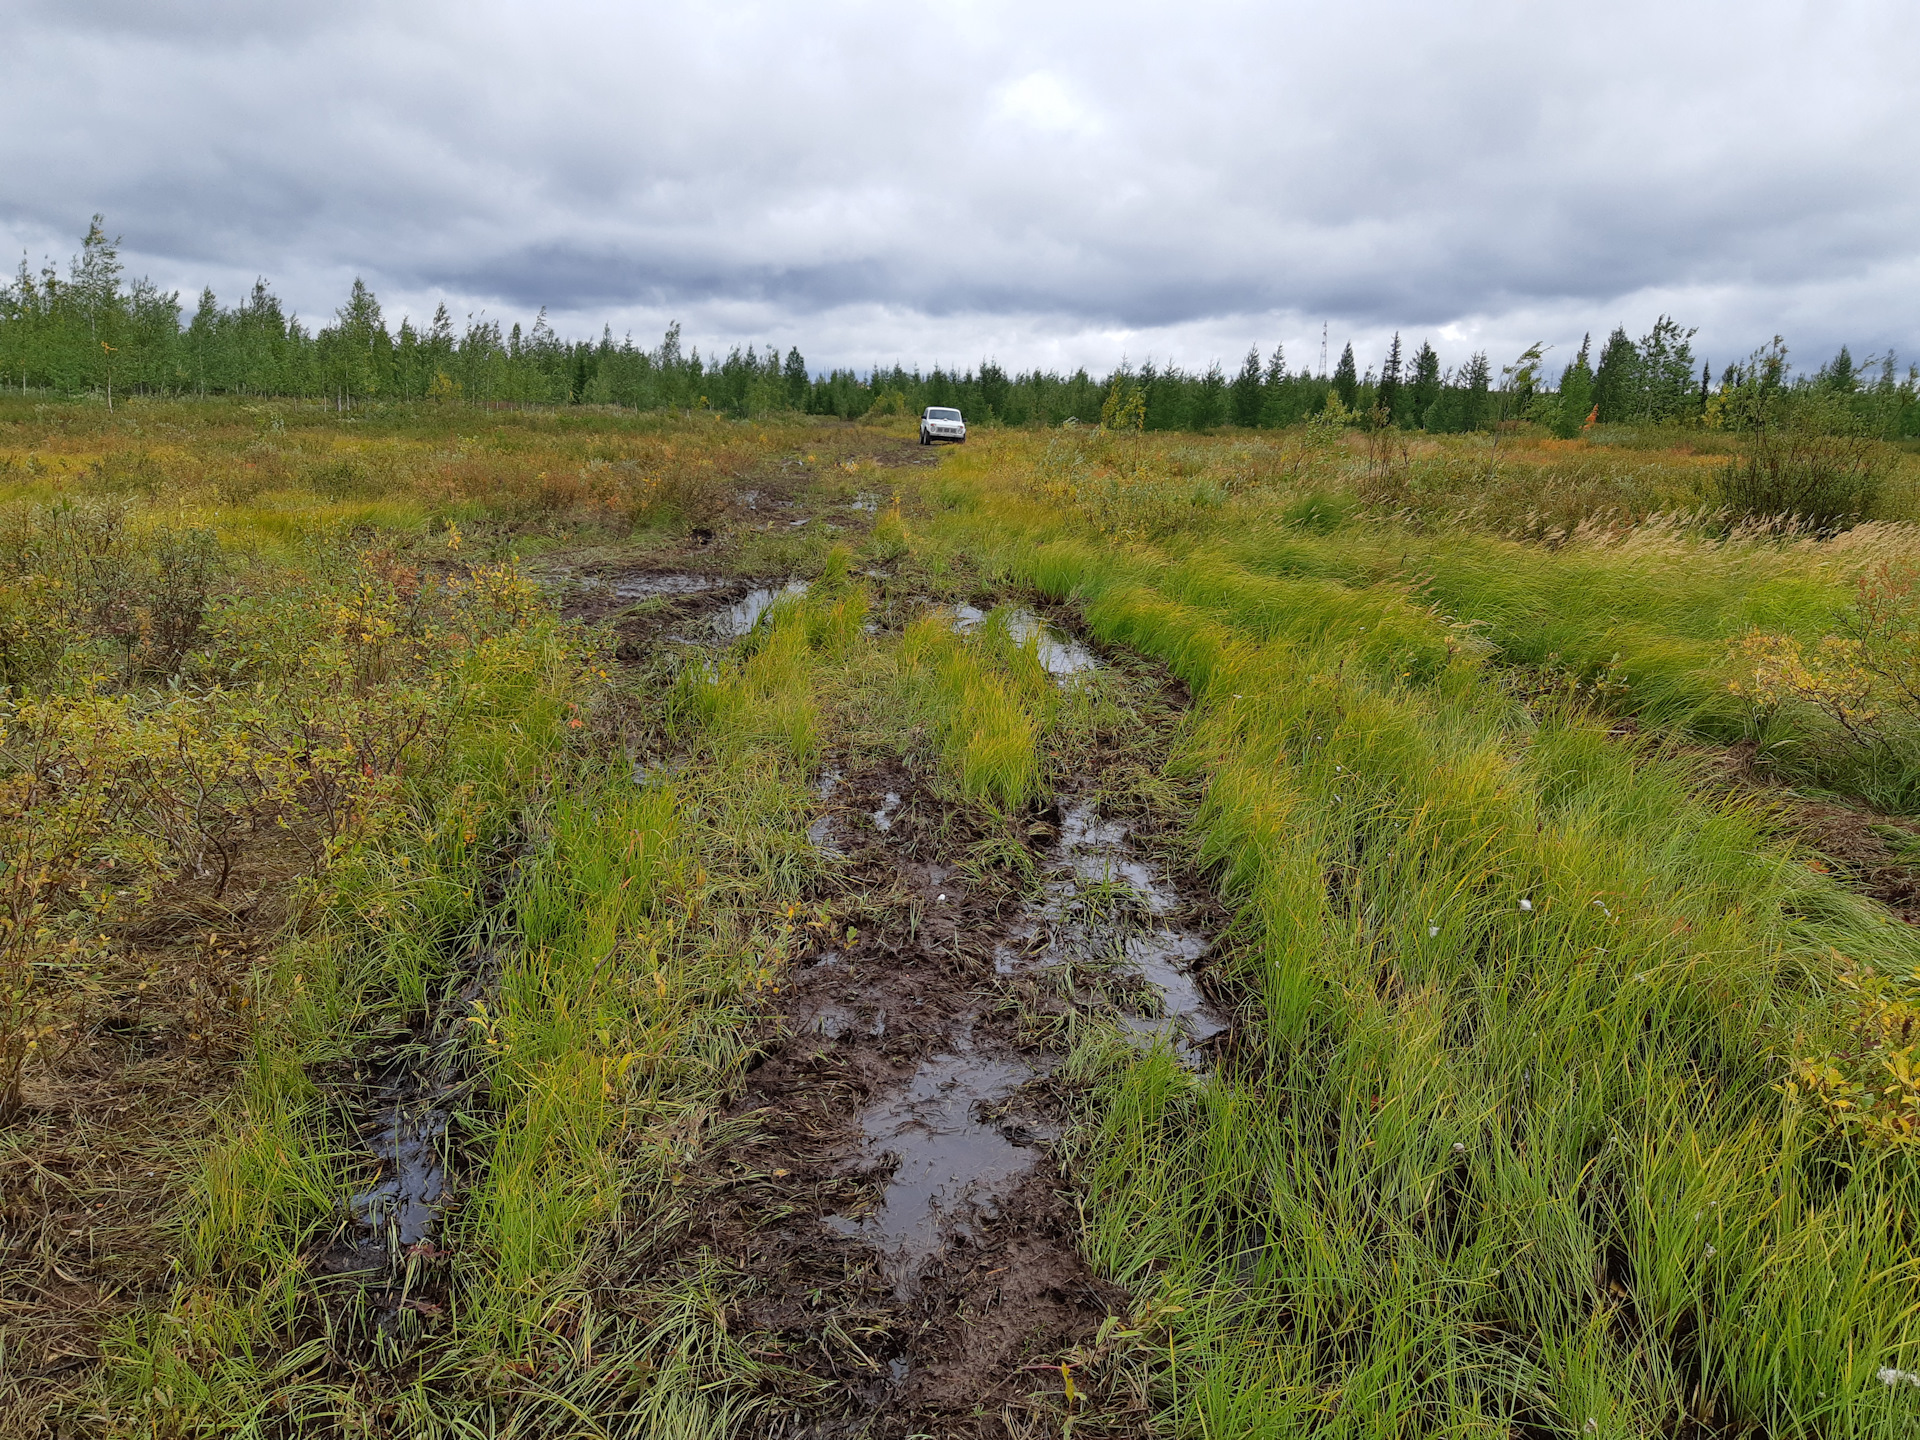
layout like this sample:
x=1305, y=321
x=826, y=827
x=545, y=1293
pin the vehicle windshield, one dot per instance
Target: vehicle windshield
x=936, y=413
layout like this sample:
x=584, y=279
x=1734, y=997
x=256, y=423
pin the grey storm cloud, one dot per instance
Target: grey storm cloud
x=1050, y=184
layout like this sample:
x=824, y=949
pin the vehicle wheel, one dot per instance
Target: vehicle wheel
x=923, y=437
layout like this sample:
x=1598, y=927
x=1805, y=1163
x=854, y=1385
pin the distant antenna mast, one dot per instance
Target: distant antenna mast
x=1323, y=349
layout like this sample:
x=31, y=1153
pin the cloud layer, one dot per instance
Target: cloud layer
x=1048, y=185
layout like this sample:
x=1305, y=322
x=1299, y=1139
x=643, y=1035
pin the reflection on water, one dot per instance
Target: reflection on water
x=646, y=587
x=951, y=1162
x=1060, y=654
x=740, y=617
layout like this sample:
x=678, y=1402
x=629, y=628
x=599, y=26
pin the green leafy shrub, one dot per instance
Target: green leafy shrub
x=1805, y=457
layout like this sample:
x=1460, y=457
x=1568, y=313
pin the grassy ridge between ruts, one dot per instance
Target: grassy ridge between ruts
x=1506, y=1140
x=637, y=919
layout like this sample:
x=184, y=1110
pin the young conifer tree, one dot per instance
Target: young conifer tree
x=1246, y=391
x=1279, y=404
x=1210, y=398
x=1839, y=374
x=1576, y=393
x=1616, y=379
x=1423, y=384
x=1346, y=377
x=794, y=375
x=1475, y=378
x=1387, y=399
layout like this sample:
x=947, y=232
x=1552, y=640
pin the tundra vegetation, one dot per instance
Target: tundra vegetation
x=368, y=767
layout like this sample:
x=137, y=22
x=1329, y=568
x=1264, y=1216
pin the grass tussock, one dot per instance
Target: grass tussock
x=1514, y=1138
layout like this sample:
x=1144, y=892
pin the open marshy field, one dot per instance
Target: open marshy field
x=563, y=923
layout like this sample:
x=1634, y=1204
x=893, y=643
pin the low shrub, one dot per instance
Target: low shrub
x=1804, y=459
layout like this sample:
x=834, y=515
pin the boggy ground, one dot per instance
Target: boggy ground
x=888, y=1198
x=897, y=1218
x=899, y=1226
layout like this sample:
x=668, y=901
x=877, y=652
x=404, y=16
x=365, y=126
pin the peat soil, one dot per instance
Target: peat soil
x=411, y=1099
x=893, y=1201
x=745, y=545
x=898, y=1216
x=1877, y=854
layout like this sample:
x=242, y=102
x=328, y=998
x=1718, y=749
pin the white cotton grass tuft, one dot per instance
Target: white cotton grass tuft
x=1526, y=904
x=1891, y=1376
x=1432, y=930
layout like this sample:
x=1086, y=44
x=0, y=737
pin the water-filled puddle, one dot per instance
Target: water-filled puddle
x=1101, y=906
x=820, y=832
x=1060, y=654
x=1094, y=879
x=400, y=1206
x=950, y=1164
x=740, y=617
x=1094, y=851
x=657, y=772
x=1164, y=959
x=833, y=1021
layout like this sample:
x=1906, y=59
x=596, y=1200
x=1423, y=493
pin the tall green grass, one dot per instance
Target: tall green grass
x=1504, y=1142
x=989, y=701
x=644, y=917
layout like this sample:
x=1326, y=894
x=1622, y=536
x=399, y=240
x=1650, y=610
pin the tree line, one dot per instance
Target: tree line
x=93, y=331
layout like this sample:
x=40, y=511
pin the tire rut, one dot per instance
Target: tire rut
x=900, y=1216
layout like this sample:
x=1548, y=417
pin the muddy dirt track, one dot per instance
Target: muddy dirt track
x=903, y=1238
x=898, y=1214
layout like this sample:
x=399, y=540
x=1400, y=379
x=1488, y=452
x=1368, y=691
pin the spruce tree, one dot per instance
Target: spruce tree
x=1278, y=407
x=1839, y=375
x=1423, y=387
x=1387, y=397
x=1246, y=391
x=1475, y=411
x=1616, y=380
x=1447, y=414
x=794, y=375
x=1210, y=403
x=1346, y=378
x=1576, y=393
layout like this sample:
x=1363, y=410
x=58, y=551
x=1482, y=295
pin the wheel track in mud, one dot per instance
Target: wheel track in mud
x=899, y=1220
x=408, y=1100
x=895, y=1210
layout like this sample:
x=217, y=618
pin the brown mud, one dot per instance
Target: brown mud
x=1877, y=854
x=897, y=1219
x=893, y=1206
x=897, y=1215
x=720, y=560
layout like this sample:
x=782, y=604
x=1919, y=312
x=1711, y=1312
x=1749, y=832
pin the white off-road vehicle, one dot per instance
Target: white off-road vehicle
x=941, y=423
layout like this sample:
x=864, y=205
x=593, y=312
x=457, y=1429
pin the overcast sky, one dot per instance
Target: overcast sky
x=1044, y=184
